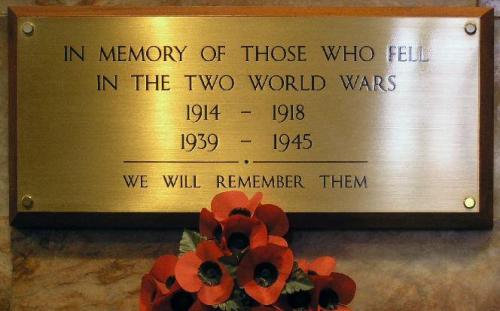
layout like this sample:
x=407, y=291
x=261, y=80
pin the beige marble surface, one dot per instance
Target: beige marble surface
x=394, y=270
x=101, y=269
x=5, y=264
x=492, y=4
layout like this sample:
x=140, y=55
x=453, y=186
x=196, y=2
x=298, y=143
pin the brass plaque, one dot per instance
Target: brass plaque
x=325, y=115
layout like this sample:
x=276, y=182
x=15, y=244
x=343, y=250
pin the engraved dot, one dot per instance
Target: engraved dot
x=469, y=202
x=470, y=28
x=28, y=28
x=246, y=161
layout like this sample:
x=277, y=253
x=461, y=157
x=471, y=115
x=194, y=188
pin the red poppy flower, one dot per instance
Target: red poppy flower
x=163, y=272
x=323, y=266
x=230, y=203
x=263, y=272
x=240, y=232
x=175, y=299
x=333, y=292
x=274, y=217
x=159, y=281
x=200, y=272
x=209, y=226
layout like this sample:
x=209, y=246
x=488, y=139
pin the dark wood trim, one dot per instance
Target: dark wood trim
x=486, y=118
x=334, y=221
x=21, y=11
x=481, y=220
x=12, y=112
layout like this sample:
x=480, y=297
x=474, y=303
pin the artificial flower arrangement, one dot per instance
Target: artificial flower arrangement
x=240, y=260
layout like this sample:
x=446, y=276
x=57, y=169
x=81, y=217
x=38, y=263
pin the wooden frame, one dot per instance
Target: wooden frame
x=481, y=220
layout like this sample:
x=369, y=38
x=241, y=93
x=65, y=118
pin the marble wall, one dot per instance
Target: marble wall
x=101, y=269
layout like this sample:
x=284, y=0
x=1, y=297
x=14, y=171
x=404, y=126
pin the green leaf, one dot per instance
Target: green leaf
x=298, y=281
x=231, y=262
x=230, y=305
x=190, y=239
x=231, y=269
x=238, y=301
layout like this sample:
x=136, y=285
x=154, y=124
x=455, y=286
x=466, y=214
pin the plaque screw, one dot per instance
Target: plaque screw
x=27, y=201
x=469, y=202
x=28, y=28
x=470, y=28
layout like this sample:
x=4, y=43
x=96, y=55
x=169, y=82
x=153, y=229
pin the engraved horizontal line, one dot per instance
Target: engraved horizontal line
x=179, y=162
x=246, y=141
x=246, y=111
x=311, y=161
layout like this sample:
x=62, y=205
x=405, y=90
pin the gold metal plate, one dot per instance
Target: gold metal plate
x=405, y=140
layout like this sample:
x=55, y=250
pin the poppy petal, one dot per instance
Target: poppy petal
x=254, y=202
x=324, y=265
x=223, y=203
x=286, y=266
x=245, y=271
x=217, y=294
x=303, y=265
x=265, y=295
x=148, y=293
x=164, y=267
x=277, y=240
x=162, y=288
x=274, y=218
x=258, y=235
x=186, y=272
x=208, y=251
x=198, y=306
x=161, y=304
x=344, y=286
x=320, y=283
x=208, y=224
x=238, y=223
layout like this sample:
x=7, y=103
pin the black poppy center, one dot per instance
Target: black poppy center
x=328, y=298
x=238, y=241
x=240, y=211
x=181, y=301
x=265, y=274
x=218, y=232
x=169, y=282
x=299, y=300
x=210, y=273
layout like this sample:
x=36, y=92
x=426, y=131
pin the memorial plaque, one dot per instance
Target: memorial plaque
x=347, y=118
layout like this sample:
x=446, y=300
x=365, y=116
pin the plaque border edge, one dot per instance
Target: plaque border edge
x=481, y=220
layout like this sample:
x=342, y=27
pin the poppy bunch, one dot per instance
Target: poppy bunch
x=240, y=260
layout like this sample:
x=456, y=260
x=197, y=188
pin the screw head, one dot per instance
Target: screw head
x=470, y=28
x=27, y=201
x=28, y=28
x=469, y=202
